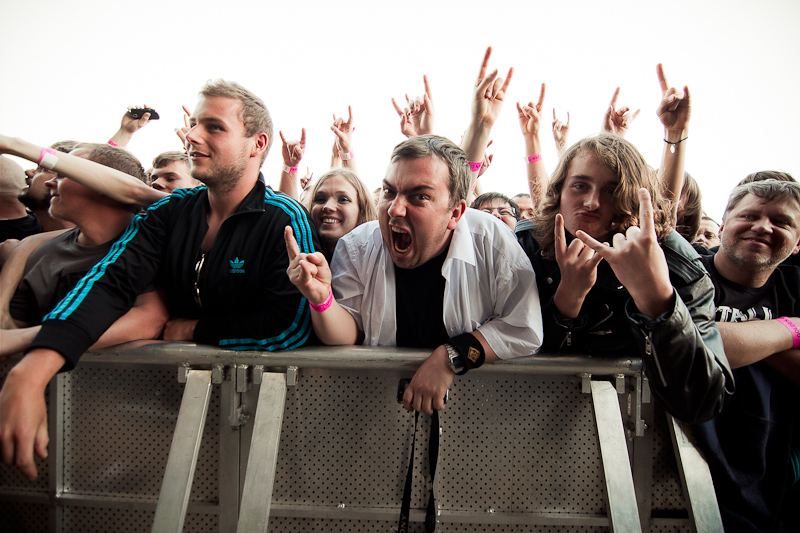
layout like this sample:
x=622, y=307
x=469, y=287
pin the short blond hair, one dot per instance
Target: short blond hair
x=254, y=114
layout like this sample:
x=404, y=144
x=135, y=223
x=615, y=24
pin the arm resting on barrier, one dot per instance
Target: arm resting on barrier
x=23, y=414
x=749, y=342
x=427, y=389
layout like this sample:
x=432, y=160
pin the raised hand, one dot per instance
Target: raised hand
x=305, y=180
x=530, y=116
x=292, y=151
x=638, y=261
x=343, y=129
x=618, y=120
x=560, y=132
x=128, y=126
x=490, y=92
x=578, y=265
x=417, y=117
x=675, y=108
x=181, y=132
x=310, y=273
x=132, y=125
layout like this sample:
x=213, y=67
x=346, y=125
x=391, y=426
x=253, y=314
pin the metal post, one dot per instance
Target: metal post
x=178, y=476
x=696, y=480
x=263, y=457
x=620, y=493
x=228, y=454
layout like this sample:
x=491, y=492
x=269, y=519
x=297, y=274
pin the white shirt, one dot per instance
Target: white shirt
x=489, y=286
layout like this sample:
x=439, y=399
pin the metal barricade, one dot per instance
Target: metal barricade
x=314, y=440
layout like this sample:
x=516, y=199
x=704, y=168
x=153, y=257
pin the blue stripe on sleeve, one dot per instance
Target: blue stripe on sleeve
x=75, y=297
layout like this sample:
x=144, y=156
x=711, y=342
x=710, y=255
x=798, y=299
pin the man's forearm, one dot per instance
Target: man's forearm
x=105, y=180
x=336, y=327
x=787, y=363
x=749, y=342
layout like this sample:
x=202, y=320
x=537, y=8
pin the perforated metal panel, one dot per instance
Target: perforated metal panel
x=469, y=528
x=524, y=444
x=303, y=525
x=345, y=440
x=24, y=517
x=667, y=490
x=118, y=426
x=101, y=520
x=510, y=443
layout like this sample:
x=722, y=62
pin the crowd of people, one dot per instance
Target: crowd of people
x=607, y=256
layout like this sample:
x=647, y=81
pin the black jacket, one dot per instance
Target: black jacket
x=246, y=298
x=681, y=350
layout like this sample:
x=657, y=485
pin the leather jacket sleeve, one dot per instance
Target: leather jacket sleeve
x=682, y=350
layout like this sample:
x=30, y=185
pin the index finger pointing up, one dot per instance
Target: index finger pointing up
x=484, y=66
x=662, y=80
x=613, y=103
x=646, y=223
x=541, y=100
x=291, y=243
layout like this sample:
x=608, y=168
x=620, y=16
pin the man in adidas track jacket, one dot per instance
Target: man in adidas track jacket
x=218, y=251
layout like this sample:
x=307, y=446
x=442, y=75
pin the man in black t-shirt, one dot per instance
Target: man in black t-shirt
x=16, y=222
x=57, y=265
x=753, y=445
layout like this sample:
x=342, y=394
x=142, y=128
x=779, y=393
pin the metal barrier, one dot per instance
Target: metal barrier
x=314, y=440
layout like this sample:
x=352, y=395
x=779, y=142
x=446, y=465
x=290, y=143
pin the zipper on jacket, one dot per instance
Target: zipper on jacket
x=648, y=350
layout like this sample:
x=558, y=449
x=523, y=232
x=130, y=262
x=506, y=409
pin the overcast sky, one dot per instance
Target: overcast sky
x=69, y=70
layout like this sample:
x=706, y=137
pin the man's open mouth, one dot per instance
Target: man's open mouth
x=401, y=240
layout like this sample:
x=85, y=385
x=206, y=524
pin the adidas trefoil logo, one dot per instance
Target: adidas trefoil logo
x=237, y=266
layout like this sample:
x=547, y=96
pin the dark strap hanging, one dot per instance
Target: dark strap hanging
x=433, y=455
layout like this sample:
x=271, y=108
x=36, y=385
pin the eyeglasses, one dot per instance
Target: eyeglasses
x=503, y=211
x=199, y=276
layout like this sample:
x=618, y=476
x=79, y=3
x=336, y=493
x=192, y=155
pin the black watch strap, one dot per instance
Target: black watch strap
x=470, y=350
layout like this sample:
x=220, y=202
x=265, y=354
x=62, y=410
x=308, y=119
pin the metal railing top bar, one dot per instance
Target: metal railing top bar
x=345, y=357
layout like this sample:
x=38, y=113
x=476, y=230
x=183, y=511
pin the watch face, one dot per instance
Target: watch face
x=455, y=360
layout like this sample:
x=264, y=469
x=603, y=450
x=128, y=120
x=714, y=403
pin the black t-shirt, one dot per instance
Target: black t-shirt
x=749, y=443
x=19, y=228
x=420, y=304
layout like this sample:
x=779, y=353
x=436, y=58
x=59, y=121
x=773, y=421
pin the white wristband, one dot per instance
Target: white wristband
x=346, y=156
x=48, y=158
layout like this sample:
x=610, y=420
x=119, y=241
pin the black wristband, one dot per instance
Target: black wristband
x=470, y=349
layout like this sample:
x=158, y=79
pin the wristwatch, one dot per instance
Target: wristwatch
x=456, y=361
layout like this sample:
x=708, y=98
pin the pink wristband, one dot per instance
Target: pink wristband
x=289, y=170
x=346, y=156
x=112, y=143
x=792, y=327
x=48, y=158
x=324, y=305
x=475, y=167
x=533, y=158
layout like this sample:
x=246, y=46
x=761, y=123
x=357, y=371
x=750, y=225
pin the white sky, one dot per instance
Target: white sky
x=69, y=70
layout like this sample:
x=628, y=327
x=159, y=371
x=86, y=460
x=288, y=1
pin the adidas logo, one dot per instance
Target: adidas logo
x=237, y=266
